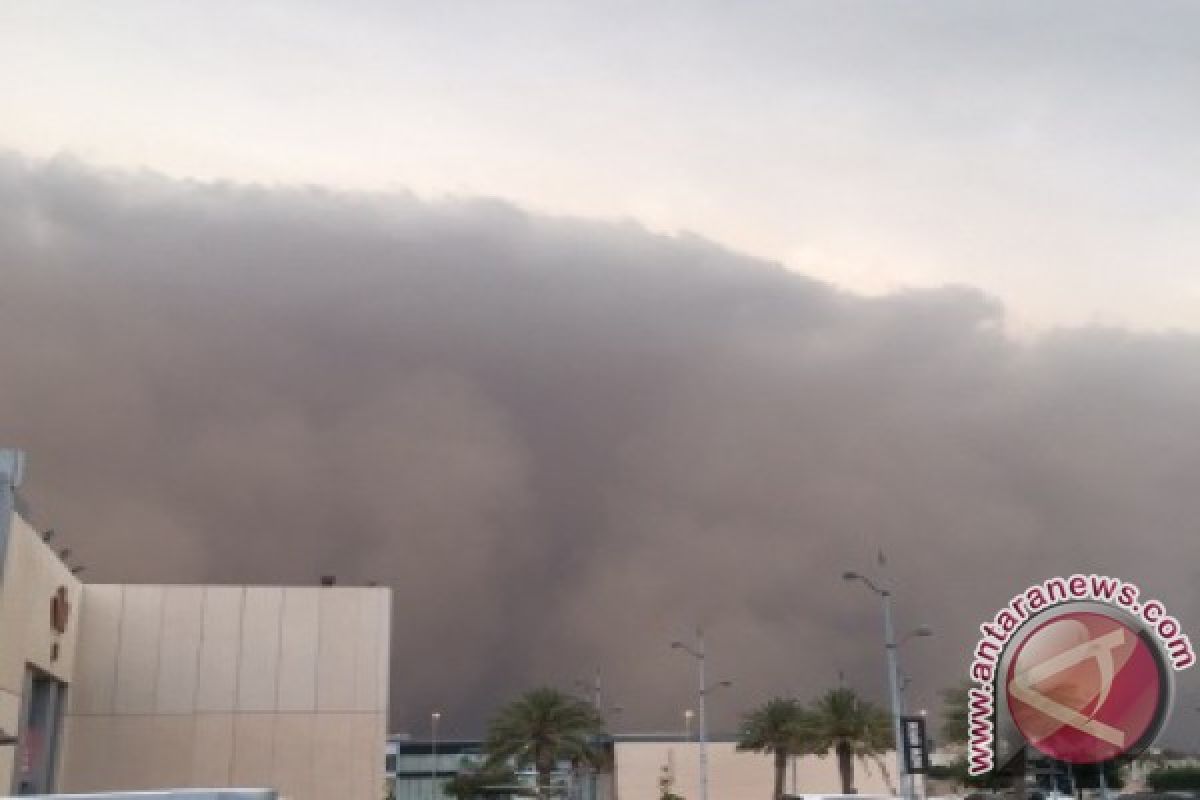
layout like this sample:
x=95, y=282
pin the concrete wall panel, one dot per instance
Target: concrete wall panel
x=334, y=755
x=212, y=754
x=96, y=668
x=336, y=659
x=383, y=635
x=90, y=751
x=169, y=748
x=258, y=671
x=299, y=640
x=364, y=765
x=293, y=769
x=134, y=751
x=138, y=650
x=366, y=655
x=183, y=619
x=216, y=688
x=253, y=749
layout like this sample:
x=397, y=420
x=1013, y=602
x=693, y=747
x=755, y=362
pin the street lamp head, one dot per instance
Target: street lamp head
x=850, y=575
x=676, y=645
x=923, y=630
x=725, y=684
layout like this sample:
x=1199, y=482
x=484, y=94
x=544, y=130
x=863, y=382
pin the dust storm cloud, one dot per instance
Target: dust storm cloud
x=565, y=443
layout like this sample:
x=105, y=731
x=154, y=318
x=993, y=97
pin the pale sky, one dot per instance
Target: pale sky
x=1045, y=152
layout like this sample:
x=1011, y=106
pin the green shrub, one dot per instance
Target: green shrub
x=1171, y=778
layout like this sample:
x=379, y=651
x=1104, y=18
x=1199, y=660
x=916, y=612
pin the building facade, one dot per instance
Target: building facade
x=642, y=761
x=420, y=769
x=39, y=601
x=126, y=687
x=638, y=765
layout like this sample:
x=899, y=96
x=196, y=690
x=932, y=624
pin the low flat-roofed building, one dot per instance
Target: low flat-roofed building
x=642, y=759
x=637, y=764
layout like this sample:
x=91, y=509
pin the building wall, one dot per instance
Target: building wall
x=219, y=686
x=32, y=574
x=732, y=775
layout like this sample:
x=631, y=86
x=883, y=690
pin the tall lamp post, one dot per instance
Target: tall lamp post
x=905, y=680
x=699, y=653
x=890, y=646
x=434, y=718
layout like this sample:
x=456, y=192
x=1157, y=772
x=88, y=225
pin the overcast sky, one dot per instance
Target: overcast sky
x=562, y=431
x=1045, y=152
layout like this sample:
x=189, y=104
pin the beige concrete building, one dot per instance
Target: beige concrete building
x=38, y=598
x=732, y=775
x=639, y=762
x=122, y=687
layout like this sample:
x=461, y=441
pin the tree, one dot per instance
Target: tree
x=541, y=728
x=780, y=727
x=666, y=784
x=853, y=729
x=488, y=781
x=1170, y=779
x=955, y=711
x=955, y=728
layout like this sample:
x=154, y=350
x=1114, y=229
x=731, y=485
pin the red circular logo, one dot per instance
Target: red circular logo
x=1084, y=687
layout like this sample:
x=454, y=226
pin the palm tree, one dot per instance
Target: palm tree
x=955, y=701
x=541, y=728
x=781, y=727
x=487, y=781
x=853, y=728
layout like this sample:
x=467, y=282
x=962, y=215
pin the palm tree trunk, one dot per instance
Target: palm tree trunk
x=845, y=757
x=780, y=771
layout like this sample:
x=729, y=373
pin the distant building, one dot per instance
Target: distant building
x=640, y=760
x=415, y=774
x=638, y=764
x=123, y=687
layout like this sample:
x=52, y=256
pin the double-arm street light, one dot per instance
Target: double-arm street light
x=893, y=670
x=698, y=652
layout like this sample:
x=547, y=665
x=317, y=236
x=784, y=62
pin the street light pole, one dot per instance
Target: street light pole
x=433, y=768
x=700, y=654
x=703, y=720
x=893, y=670
x=910, y=782
x=889, y=638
